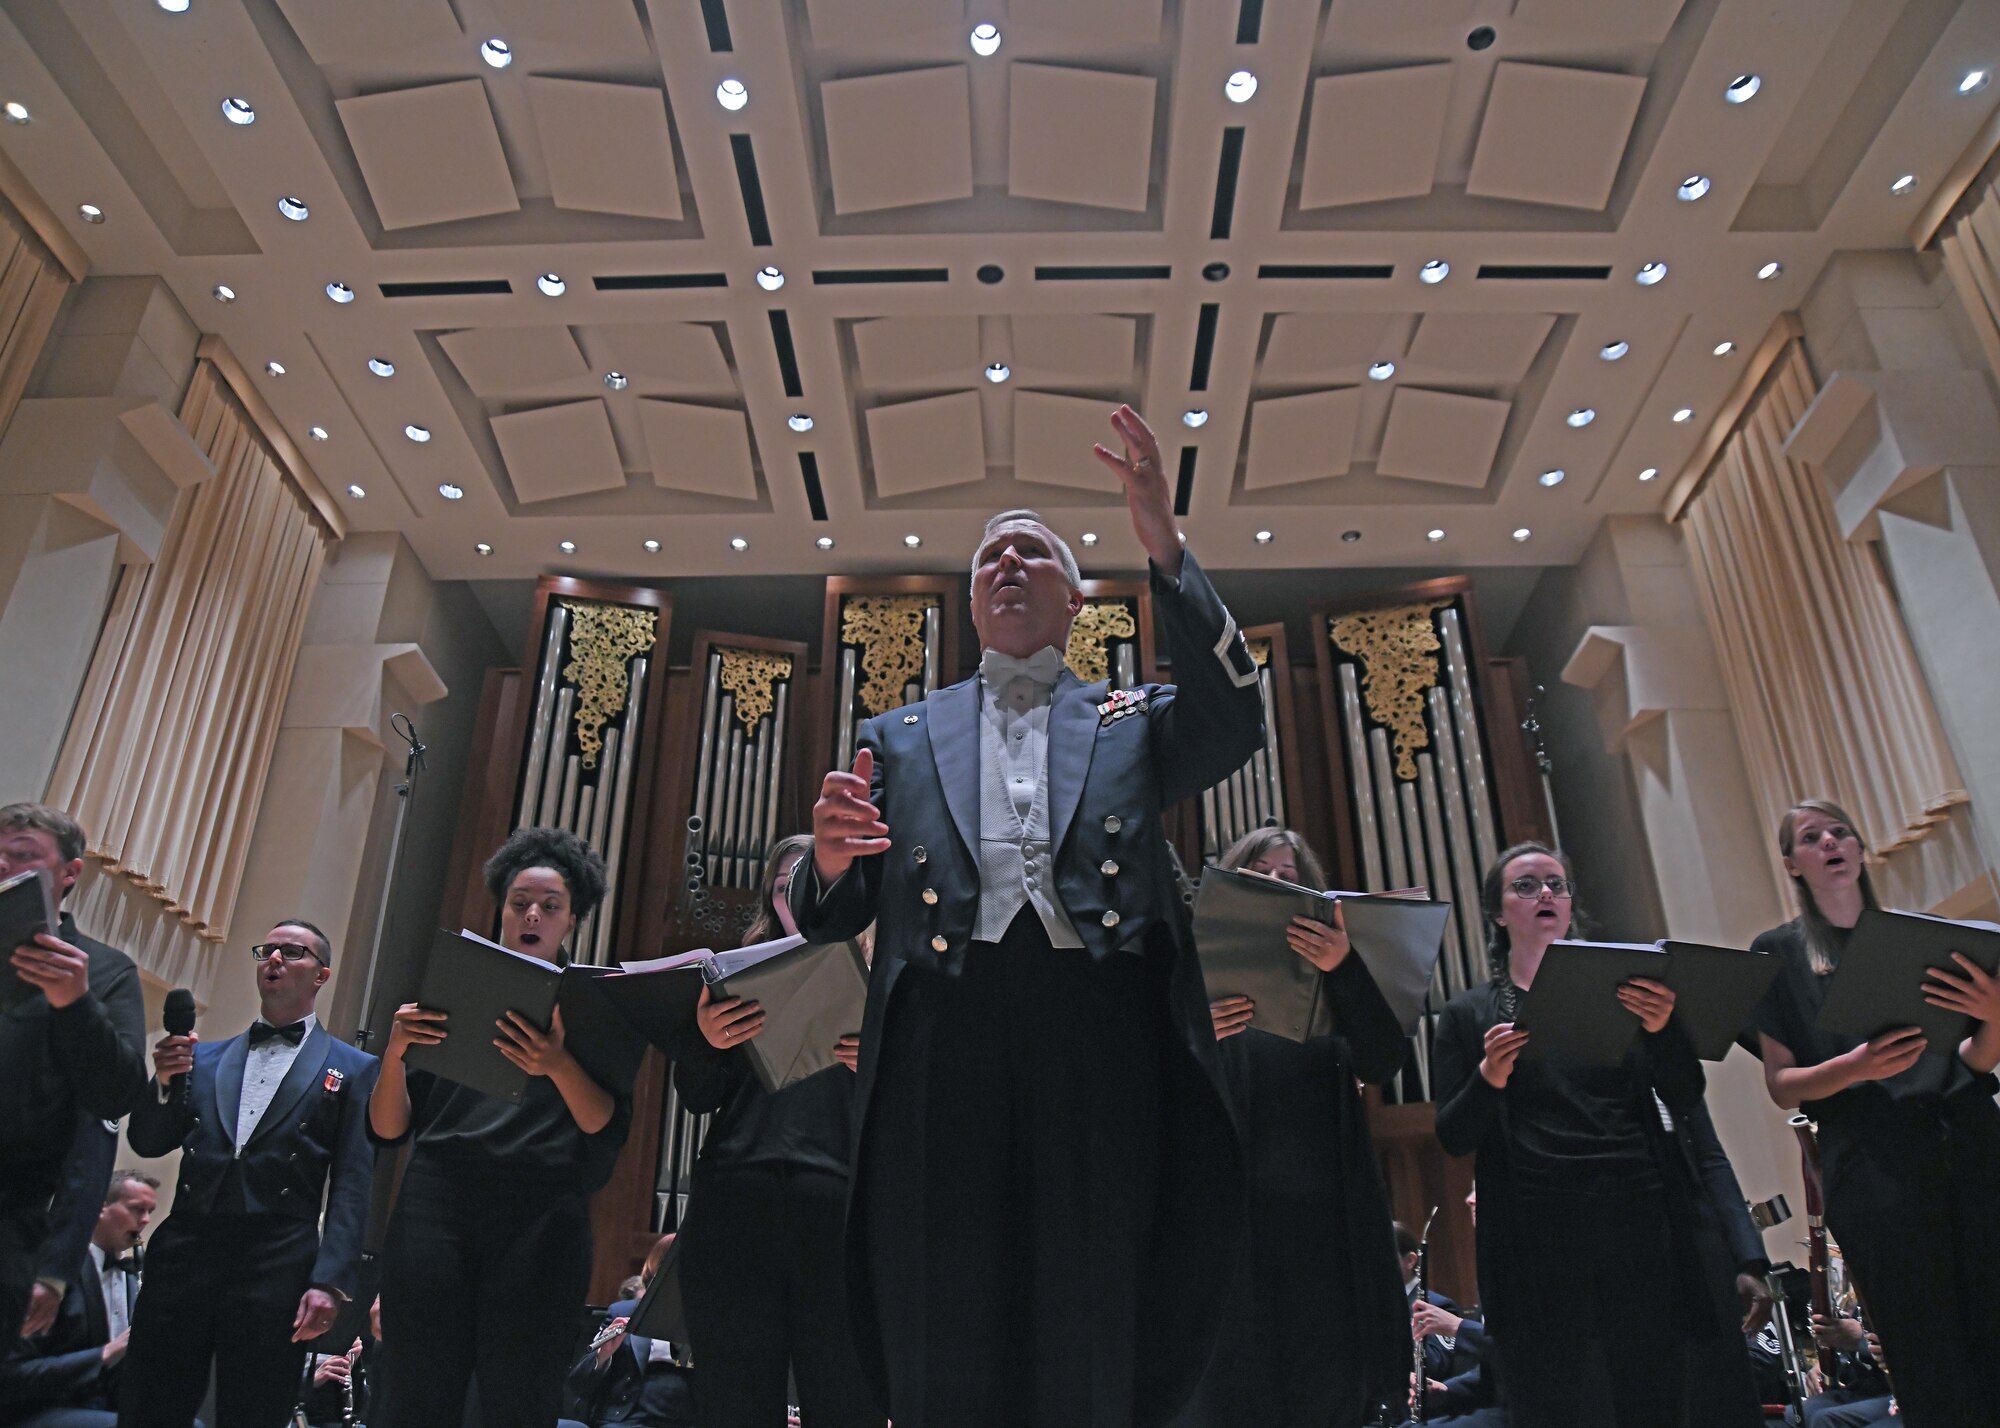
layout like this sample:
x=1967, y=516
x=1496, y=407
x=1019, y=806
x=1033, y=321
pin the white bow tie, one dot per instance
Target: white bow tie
x=1043, y=667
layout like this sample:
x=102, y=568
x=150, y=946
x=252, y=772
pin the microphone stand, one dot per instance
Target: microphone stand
x=413, y=765
x=1532, y=727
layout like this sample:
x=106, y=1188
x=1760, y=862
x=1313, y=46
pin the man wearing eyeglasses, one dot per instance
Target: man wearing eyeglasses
x=273, y=1125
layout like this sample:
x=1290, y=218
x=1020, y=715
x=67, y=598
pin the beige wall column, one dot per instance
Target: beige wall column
x=89, y=469
x=1650, y=671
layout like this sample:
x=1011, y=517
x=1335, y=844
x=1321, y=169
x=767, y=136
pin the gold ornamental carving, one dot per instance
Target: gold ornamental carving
x=889, y=630
x=603, y=639
x=1090, y=635
x=1260, y=652
x=1396, y=648
x=752, y=677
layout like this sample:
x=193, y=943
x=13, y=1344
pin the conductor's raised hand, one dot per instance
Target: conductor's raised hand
x=1889, y=1053
x=729, y=1022
x=1652, y=1002
x=1229, y=1015
x=1503, y=1049
x=537, y=1052
x=414, y=1026
x=846, y=825
x=1147, y=495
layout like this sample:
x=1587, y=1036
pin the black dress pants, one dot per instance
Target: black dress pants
x=1010, y=1175
x=226, y=1288
x=1917, y=1216
x=1590, y=1300
x=764, y=1282
x=479, y=1276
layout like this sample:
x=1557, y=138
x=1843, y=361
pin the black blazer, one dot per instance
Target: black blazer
x=1112, y=769
x=65, y=1366
x=311, y=1145
x=629, y=1388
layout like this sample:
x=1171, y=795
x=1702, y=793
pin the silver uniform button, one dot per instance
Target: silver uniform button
x=1111, y=823
x=1109, y=867
x=1110, y=918
x=938, y=944
x=930, y=896
x=919, y=854
x=909, y=718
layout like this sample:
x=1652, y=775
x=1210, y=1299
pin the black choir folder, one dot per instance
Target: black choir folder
x=27, y=906
x=1239, y=933
x=1576, y=1017
x=813, y=993
x=1879, y=984
x=478, y=982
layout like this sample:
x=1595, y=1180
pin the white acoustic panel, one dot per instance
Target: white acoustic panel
x=697, y=448
x=563, y=450
x=898, y=139
x=928, y=444
x=429, y=155
x=606, y=146
x=513, y=361
x=872, y=24
x=1084, y=349
x=685, y=356
x=1494, y=347
x=337, y=32
x=603, y=25
x=899, y=353
x=1303, y=438
x=1080, y=136
x=1119, y=24
x=1441, y=436
x=1554, y=135
x=1053, y=440
x=1374, y=135
x=1321, y=346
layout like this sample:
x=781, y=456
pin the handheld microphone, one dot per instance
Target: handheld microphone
x=177, y=1018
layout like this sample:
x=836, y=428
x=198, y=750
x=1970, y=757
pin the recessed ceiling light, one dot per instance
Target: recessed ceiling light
x=731, y=94
x=770, y=279
x=276, y=369
x=482, y=547
x=985, y=39
x=1692, y=187
x=1650, y=273
x=451, y=492
x=356, y=491
x=998, y=371
x=1349, y=536
x=1974, y=81
x=1723, y=349
x=1552, y=478
x=1265, y=537
x=1906, y=184
x=1195, y=416
x=1684, y=416
x=799, y=421
x=317, y=433
x=340, y=292
x=737, y=543
x=652, y=546
x=1743, y=89
x=1612, y=351
x=497, y=52
x=224, y=293
x=551, y=285
x=294, y=209
x=824, y=542
x=174, y=7
x=617, y=381
x=1770, y=270
x=1582, y=417
x=90, y=213
x=1649, y=473
x=1240, y=86
x=913, y=541
x=420, y=435
x=1435, y=533
x=1522, y=533
x=239, y=111
x=16, y=112
x=1435, y=271
x=567, y=547
x=1089, y=537
x=381, y=368
x=1381, y=371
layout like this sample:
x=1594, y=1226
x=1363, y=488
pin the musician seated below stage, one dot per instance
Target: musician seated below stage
x=629, y=1379
x=1856, y=1393
x=1462, y=1387
x=326, y=1403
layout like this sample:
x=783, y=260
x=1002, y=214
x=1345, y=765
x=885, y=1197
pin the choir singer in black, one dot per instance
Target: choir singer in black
x=1047, y=1187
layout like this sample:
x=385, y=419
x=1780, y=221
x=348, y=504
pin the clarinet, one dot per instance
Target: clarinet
x=347, y=1388
x=1419, y=1369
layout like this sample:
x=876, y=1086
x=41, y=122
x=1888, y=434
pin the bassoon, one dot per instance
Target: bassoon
x=1816, y=1250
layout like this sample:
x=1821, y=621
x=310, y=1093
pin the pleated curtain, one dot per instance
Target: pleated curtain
x=1827, y=695
x=168, y=752
x=32, y=285
x=1970, y=244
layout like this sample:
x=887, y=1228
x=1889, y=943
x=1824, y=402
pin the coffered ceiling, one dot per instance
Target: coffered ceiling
x=1088, y=213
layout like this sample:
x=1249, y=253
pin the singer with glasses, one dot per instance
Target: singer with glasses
x=1909, y=1136
x=272, y=1129
x=1587, y=1237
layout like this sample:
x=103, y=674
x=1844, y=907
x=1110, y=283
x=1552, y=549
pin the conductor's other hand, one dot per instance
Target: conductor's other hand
x=846, y=825
x=729, y=1022
x=1230, y=1015
x=1503, y=1048
x=847, y=1051
x=317, y=1311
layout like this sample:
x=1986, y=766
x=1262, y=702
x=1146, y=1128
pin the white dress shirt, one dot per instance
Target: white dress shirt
x=116, y=1312
x=264, y=1066
x=1016, y=862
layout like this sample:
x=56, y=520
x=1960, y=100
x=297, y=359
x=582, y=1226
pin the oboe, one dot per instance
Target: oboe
x=1419, y=1371
x=347, y=1385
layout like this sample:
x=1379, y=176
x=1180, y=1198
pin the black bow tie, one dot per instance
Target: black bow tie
x=129, y=1264
x=263, y=1031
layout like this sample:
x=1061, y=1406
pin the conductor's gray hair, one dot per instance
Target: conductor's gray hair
x=1023, y=517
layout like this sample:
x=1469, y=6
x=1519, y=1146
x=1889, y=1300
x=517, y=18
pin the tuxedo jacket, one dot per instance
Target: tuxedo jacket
x=65, y=1366
x=310, y=1147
